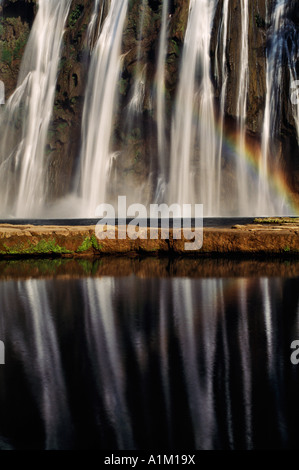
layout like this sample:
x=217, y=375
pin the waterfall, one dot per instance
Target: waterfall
x=272, y=107
x=213, y=150
x=193, y=173
x=95, y=20
x=278, y=48
x=136, y=103
x=292, y=52
x=135, y=128
x=242, y=173
x=98, y=110
x=160, y=112
x=224, y=77
x=25, y=123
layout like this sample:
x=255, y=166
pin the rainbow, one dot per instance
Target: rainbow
x=252, y=155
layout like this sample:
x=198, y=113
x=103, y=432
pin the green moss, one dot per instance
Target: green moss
x=85, y=246
x=286, y=249
x=62, y=125
x=260, y=22
x=74, y=100
x=19, y=47
x=277, y=220
x=95, y=243
x=42, y=247
x=88, y=243
x=174, y=48
x=75, y=15
x=123, y=85
x=6, y=55
x=12, y=45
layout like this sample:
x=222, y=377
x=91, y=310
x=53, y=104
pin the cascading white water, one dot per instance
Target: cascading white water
x=295, y=83
x=23, y=164
x=273, y=82
x=194, y=178
x=267, y=204
x=95, y=20
x=136, y=102
x=223, y=72
x=244, y=202
x=99, y=107
x=160, y=111
x=197, y=145
x=292, y=52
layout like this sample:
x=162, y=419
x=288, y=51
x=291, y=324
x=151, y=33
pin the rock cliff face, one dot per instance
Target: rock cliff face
x=139, y=149
x=15, y=23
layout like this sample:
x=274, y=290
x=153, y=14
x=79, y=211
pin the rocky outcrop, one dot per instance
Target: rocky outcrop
x=257, y=60
x=274, y=238
x=16, y=18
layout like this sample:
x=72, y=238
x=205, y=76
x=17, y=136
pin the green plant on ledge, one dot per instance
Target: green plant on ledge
x=88, y=243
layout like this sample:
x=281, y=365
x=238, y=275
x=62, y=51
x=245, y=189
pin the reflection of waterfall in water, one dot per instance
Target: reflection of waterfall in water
x=244, y=348
x=25, y=122
x=35, y=341
x=99, y=107
x=193, y=172
x=198, y=354
x=282, y=33
x=205, y=364
x=105, y=355
x=275, y=369
x=164, y=340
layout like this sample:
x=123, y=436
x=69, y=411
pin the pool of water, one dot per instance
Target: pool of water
x=169, y=357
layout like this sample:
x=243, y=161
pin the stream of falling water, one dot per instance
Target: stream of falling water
x=95, y=22
x=193, y=172
x=242, y=173
x=160, y=112
x=23, y=168
x=197, y=169
x=272, y=107
x=99, y=107
x=223, y=72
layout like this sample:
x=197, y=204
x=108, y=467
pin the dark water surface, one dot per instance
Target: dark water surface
x=142, y=360
x=207, y=221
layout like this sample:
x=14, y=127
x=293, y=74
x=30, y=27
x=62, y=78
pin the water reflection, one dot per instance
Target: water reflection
x=129, y=362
